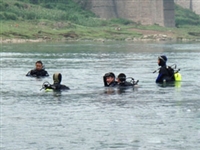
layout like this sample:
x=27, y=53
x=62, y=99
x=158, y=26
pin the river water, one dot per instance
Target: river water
x=150, y=117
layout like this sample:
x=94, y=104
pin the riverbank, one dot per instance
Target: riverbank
x=45, y=30
x=41, y=21
x=146, y=38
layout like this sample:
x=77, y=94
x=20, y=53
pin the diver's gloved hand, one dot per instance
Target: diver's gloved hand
x=46, y=86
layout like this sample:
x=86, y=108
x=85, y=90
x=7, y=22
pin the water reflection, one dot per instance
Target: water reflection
x=119, y=90
x=176, y=84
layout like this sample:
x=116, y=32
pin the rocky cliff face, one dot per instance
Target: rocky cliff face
x=144, y=11
x=194, y=5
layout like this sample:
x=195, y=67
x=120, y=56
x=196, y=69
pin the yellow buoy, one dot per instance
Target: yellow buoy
x=177, y=77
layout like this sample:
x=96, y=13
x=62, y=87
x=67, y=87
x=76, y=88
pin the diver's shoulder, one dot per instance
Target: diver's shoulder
x=64, y=87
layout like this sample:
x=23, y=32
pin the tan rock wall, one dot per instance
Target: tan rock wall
x=144, y=11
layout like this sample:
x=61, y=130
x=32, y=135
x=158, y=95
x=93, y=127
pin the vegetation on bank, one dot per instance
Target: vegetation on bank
x=185, y=16
x=64, y=19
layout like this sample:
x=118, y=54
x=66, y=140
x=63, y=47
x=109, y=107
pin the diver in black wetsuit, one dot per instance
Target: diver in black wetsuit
x=121, y=78
x=39, y=71
x=57, y=86
x=109, y=80
x=166, y=74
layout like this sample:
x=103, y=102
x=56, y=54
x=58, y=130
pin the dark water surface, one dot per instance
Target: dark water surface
x=150, y=117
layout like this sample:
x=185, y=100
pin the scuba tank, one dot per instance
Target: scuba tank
x=177, y=76
x=173, y=72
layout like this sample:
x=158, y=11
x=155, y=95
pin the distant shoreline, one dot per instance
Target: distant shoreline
x=145, y=38
x=15, y=40
x=51, y=31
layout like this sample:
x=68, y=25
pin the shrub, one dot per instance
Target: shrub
x=2, y=17
x=185, y=16
x=30, y=15
x=48, y=5
x=121, y=21
x=19, y=5
x=34, y=1
x=10, y=16
x=3, y=6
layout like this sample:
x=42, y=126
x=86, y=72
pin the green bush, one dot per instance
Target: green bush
x=121, y=21
x=19, y=5
x=3, y=6
x=186, y=21
x=48, y=5
x=2, y=17
x=30, y=16
x=34, y=1
x=61, y=7
x=57, y=10
x=10, y=16
x=64, y=16
x=185, y=16
x=27, y=1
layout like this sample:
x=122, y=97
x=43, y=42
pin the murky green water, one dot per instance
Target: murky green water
x=150, y=117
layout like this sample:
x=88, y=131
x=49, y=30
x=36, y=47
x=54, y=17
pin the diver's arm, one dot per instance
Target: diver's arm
x=32, y=73
x=29, y=73
x=47, y=74
x=159, y=78
x=44, y=73
x=163, y=73
x=64, y=87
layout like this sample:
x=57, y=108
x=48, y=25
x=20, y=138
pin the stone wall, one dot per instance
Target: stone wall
x=194, y=5
x=143, y=11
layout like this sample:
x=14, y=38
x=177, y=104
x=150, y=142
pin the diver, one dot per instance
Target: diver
x=109, y=80
x=56, y=86
x=166, y=73
x=39, y=70
x=121, y=79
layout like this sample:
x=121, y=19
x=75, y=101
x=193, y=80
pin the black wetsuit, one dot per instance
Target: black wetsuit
x=125, y=84
x=38, y=73
x=57, y=87
x=112, y=84
x=164, y=75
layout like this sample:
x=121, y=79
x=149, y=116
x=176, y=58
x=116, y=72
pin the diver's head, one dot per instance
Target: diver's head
x=110, y=77
x=57, y=78
x=162, y=60
x=39, y=65
x=121, y=78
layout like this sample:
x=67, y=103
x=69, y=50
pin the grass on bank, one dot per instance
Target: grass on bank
x=21, y=19
x=67, y=20
x=59, y=11
x=53, y=30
